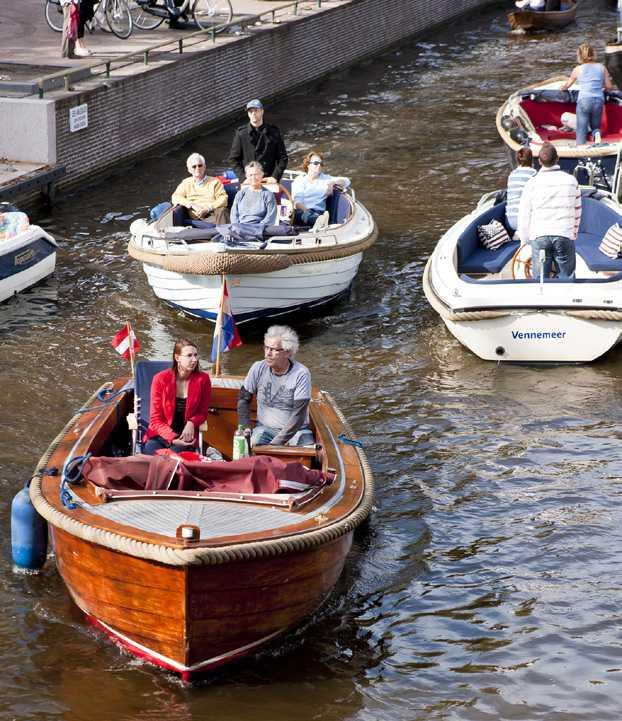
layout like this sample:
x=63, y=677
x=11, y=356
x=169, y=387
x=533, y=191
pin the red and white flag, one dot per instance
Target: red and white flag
x=125, y=342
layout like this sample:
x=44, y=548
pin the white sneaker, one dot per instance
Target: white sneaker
x=596, y=137
x=321, y=222
x=520, y=4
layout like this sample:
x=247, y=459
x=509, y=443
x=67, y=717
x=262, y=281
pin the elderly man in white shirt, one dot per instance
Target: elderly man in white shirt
x=549, y=215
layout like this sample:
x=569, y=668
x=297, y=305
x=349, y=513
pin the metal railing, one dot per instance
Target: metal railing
x=106, y=67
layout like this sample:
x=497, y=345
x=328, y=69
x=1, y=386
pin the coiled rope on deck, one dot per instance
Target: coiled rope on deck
x=192, y=556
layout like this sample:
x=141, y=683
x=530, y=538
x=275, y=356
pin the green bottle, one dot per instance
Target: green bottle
x=240, y=447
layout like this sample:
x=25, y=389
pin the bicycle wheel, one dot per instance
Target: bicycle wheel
x=142, y=18
x=212, y=13
x=119, y=18
x=54, y=15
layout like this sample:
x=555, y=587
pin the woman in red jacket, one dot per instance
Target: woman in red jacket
x=180, y=398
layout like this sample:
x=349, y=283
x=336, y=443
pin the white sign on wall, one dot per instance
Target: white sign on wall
x=78, y=117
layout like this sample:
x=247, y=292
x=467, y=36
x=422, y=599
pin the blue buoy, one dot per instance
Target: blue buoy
x=29, y=533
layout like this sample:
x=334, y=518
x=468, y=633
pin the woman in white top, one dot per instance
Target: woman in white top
x=309, y=191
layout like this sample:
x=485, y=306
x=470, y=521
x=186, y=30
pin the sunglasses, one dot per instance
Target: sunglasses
x=199, y=165
x=315, y=162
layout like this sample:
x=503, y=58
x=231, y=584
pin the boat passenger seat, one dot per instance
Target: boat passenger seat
x=139, y=420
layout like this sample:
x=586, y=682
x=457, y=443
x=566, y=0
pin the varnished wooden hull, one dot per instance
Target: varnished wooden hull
x=541, y=20
x=194, y=618
x=189, y=606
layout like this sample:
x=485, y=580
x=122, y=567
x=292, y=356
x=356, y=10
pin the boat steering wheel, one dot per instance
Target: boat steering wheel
x=521, y=262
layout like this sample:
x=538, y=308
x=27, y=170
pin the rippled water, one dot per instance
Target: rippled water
x=487, y=584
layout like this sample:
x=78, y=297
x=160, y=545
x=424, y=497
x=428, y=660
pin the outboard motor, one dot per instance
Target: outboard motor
x=29, y=533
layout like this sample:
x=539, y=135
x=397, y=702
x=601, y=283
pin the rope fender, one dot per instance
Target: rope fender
x=245, y=263
x=194, y=556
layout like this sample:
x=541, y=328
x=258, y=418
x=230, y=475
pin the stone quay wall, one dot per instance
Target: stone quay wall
x=130, y=115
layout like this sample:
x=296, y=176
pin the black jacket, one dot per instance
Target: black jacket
x=264, y=144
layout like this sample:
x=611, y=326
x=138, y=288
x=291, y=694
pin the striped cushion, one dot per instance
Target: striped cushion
x=493, y=235
x=611, y=244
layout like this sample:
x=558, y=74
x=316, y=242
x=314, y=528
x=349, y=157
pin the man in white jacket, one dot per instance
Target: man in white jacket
x=549, y=215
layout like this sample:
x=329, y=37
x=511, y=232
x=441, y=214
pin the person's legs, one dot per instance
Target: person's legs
x=154, y=444
x=303, y=437
x=565, y=256
x=544, y=243
x=67, y=45
x=583, y=112
x=306, y=217
x=180, y=215
x=262, y=435
x=595, y=119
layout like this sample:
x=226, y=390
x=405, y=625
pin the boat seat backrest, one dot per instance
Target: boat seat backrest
x=145, y=371
x=469, y=241
x=596, y=219
x=473, y=257
x=339, y=207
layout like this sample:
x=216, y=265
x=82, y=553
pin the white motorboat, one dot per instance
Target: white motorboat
x=489, y=302
x=290, y=274
x=25, y=259
x=533, y=115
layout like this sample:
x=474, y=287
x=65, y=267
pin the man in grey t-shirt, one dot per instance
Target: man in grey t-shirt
x=283, y=390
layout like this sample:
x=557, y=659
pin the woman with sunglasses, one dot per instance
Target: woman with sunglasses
x=200, y=200
x=310, y=190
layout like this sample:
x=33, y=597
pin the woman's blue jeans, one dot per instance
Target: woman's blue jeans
x=589, y=117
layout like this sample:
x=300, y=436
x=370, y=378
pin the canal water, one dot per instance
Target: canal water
x=488, y=583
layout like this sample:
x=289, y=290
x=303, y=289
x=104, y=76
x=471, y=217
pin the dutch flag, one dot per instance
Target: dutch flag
x=226, y=333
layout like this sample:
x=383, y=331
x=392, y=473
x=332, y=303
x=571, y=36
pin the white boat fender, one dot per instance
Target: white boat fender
x=29, y=533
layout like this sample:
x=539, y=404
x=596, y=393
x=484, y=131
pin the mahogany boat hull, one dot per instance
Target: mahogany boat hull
x=542, y=20
x=191, y=619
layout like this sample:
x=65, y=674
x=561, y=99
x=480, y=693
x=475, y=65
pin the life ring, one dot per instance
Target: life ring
x=521, y=262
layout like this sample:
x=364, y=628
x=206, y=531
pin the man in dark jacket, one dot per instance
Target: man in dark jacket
x=258, y=141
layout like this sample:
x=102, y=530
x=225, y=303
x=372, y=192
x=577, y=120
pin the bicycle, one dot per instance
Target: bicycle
x=208, y=14
x=111, y=16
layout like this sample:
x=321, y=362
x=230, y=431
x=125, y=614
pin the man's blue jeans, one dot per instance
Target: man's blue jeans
x=589, y=117
x=556, y=248
x=262, y=435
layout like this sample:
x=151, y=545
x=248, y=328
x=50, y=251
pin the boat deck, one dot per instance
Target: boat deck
x=215, y=519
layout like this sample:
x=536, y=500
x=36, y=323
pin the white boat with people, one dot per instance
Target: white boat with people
x=491, y=304
x=27, y=252
x=295, y=269
x=542, y=112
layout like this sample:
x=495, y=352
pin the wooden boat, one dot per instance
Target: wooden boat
x=26, y=258
x=291, y=273
x=528, y=20
x=532, y=116
x=491, y=304
x=190, y=581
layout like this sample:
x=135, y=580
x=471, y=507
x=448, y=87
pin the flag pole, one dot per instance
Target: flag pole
x=218, y=329
x=131, y=342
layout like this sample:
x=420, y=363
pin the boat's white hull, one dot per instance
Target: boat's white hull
x=537, y=337
x=256, y=295
x=25, y=261
x=499, y=319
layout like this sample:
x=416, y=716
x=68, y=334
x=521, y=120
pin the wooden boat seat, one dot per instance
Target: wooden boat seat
x=473, y=257
x=308, y=455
